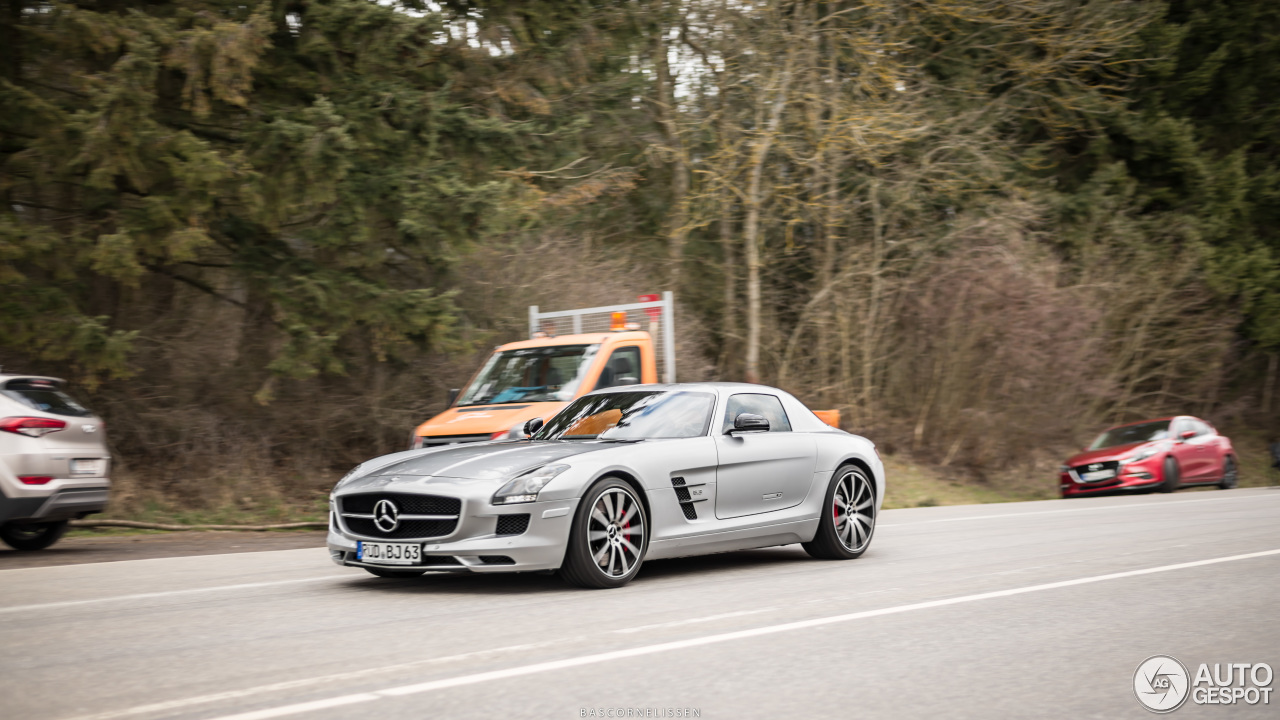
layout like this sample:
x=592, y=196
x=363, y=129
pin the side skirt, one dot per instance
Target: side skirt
x=787, y=533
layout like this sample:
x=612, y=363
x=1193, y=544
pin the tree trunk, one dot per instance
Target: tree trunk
x=1269, y=385
x=751, y=230
x=729, y=329
x=678, y=220
x=870, y=328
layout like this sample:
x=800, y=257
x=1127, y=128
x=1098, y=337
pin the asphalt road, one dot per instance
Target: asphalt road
x=82, y=549
x=1018, y=610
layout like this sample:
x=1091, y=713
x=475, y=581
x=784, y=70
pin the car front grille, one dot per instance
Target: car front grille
x=408, y=529
x=1113, y=465
x=437, y=440
x=419, y=516
x=410, y=503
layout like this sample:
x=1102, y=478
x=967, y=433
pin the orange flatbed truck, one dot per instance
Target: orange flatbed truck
x=569, y=354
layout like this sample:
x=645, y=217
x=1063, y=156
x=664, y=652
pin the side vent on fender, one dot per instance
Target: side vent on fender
x=686, y=498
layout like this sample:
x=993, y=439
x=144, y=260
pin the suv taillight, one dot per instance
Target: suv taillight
x=31, y=426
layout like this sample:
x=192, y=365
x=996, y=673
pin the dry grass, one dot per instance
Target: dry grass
x=912, y=484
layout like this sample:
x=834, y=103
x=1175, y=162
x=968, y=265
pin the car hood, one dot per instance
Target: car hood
x=474, y=461
x=487, y=419
x=1103, y=454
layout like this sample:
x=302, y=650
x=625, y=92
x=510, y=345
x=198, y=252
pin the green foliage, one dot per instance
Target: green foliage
x=277, y=201
x=1199, y=138
x=316, y=165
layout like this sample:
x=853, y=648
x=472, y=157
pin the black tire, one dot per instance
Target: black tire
x=395, y=574
x=1230, y=474
x=36, y=536
x=602, y=552
x=1171, y=476
x=841, y=537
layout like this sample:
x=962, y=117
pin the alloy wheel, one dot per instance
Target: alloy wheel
x=854, y=510
x=615, y=532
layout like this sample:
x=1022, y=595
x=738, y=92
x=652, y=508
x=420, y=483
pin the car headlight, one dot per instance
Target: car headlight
x=525, y=488
x=1064, y=468
x=1140, y=455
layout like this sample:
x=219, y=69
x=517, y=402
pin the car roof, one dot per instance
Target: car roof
x=6, y=377
x=728, y=387
x=1171, y=418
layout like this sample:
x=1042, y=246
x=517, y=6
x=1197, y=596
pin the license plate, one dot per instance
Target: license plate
x=389, y=553
x=88, y=467
x=1097, y=475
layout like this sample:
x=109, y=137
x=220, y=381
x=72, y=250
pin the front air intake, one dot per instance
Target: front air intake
x=512, y=524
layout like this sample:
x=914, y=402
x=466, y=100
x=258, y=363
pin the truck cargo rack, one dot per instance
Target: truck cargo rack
x=656, y=316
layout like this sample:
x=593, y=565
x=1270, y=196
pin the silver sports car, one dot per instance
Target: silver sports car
x=619, y=476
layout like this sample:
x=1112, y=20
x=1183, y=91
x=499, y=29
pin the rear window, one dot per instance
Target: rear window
x=44, y=396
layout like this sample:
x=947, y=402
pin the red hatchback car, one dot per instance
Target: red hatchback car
x=1163, y=455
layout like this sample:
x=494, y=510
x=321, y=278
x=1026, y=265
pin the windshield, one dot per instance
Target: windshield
x=1129, y=434
x=45, y=396
x=632, y=416
x=545, y=374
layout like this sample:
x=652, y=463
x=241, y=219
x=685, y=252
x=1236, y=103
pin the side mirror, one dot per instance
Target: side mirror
x=1187, y=434
x=533, y=426
x=747, y=422
x=453, y=397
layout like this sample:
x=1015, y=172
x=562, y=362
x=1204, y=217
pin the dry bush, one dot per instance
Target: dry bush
x=992, y=353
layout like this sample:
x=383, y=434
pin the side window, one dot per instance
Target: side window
x=768, y=406
x=623, y=368
x=1200, y=428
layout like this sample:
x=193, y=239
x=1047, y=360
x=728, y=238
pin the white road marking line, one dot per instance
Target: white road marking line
x=692, y=621
x=166, y=593
x=596, y=658
x=308, y=707
x=1080, y=509
x=305, y=682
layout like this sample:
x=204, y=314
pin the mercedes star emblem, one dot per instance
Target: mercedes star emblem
x=386, y=516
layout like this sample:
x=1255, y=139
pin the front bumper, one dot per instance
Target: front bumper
x=1129, y=480
x=474, y=545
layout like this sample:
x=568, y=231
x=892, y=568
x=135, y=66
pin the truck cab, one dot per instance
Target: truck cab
x=536, y=378
x=569, y=353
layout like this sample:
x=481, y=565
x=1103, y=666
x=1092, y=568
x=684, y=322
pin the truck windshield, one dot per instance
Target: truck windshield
x=544, y=374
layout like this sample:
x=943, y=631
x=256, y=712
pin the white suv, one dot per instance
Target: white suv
x=54, y=462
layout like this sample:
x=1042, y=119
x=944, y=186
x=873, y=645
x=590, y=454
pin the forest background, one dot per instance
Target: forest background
x=263, y=239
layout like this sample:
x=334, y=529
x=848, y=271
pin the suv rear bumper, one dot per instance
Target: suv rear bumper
x=61, y=505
